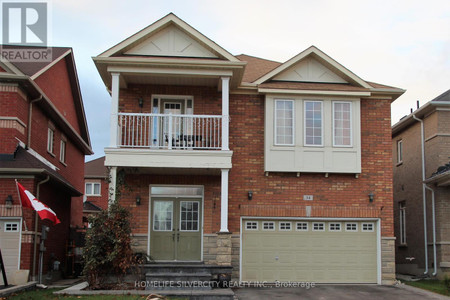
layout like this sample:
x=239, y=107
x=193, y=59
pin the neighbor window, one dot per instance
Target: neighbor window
x=50, y=139
x=313, y=123
x=402, y=208
x=92, y=189
x=284, y=122
x=62, y=152
x=399, y=151
x=342, y=125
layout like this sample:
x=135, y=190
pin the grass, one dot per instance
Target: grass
x=48, y=295
x=436, y=286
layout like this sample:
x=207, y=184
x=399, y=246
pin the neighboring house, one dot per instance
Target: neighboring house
x=282, y=170
x=411, y=252
x=44, y=139
x=96, y=184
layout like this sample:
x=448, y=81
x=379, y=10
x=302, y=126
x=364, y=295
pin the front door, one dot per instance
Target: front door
x=175, y=229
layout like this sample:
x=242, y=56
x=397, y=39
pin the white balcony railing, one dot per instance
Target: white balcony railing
x=162, y=131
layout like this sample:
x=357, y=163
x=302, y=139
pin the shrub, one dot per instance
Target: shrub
x=447, y=282
x=107, y=252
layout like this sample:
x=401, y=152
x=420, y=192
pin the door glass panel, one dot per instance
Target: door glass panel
x=189, y=213
x=162, y=215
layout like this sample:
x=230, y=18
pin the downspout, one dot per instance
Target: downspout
x=424, y=199
x=433, y=212
x=30, y=111
x=36, y=226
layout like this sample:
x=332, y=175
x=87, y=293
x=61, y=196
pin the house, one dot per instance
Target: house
x=96, y=184
x=44, y=138
x=421, y=189
x=280, y=170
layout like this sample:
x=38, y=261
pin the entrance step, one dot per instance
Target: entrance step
x=189, y=276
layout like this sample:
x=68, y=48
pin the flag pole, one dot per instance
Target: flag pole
x=21, y=208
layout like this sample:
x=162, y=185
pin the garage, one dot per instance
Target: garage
x=320, y=251
x=10, y=244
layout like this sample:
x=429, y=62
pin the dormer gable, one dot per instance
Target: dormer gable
x=169, y=37
x=313, y=65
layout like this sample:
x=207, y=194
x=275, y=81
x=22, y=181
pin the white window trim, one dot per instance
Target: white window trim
x=268, y=229
x=399, y=151
x=50, y=140
x=283, y=222
x=297, y=229
x=356, y=228
x=323, y=226
x=402, y=215
x=275, y=122
x=351, y=125
x=252, y=222
x=334, y=223
x=366, y=230
x=92, y=193
x=321, y=123
x=198, y=217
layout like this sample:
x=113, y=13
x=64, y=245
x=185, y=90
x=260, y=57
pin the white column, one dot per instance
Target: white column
x=114, y=109
x=112, y=185
x=224, y=201
x=225, y=112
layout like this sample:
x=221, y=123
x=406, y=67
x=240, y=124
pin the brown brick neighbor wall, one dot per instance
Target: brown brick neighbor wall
x=338, y=195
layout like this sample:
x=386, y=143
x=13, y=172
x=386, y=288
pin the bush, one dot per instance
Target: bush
x=447, y=282
x=107, y=252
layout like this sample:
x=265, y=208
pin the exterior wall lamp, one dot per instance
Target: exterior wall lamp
x=371, y=195
x=141, y=102
x=138, y=200
x=9, y=201
x=250, y=195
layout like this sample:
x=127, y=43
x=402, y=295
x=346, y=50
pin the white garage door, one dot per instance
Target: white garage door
x=10, y=244
x=338, y=251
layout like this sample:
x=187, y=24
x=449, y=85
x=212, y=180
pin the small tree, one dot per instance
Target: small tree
x=108, y=246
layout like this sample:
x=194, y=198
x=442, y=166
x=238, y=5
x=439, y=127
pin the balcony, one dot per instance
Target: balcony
x=178, y=141
x=169, y=131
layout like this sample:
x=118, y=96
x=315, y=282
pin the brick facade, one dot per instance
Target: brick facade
x=278, y=194
x=408, y=190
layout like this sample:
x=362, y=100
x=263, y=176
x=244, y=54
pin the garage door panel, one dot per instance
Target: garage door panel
x=307, y=255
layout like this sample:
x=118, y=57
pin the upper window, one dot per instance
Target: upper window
x=62, y=152
x=402, y=209
x=399, y=151
x=92, y=189
x=284, y=122
x=342, y=124
x=313, y=123
x=50, y=140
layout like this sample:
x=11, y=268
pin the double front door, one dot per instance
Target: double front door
x=175, y=231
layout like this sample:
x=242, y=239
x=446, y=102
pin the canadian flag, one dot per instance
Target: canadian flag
x=28, y=200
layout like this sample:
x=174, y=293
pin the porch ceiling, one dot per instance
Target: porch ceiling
x=170, y=80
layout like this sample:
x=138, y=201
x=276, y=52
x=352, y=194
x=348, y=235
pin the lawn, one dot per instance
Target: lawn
x=436, y=286
x=48, y=295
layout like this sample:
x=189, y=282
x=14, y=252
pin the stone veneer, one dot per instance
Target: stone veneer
x=387, y=260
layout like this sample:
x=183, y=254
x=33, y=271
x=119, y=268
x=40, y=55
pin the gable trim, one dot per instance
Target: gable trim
x=10, y=67
x=162, y=23
x=327, y=59
x=43, y=70
x=311, y=92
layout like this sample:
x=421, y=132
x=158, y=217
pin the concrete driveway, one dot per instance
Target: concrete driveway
x=336, y=292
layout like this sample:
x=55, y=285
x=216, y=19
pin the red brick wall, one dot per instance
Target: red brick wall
x=12, y=104
x=56, y=85
x=247, y=143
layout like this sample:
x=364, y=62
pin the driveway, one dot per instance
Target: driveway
x=336, y=292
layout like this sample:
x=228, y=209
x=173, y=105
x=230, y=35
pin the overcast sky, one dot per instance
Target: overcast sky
x=405, y=44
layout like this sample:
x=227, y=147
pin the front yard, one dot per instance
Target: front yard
x=48, y=295
x=436, y=286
